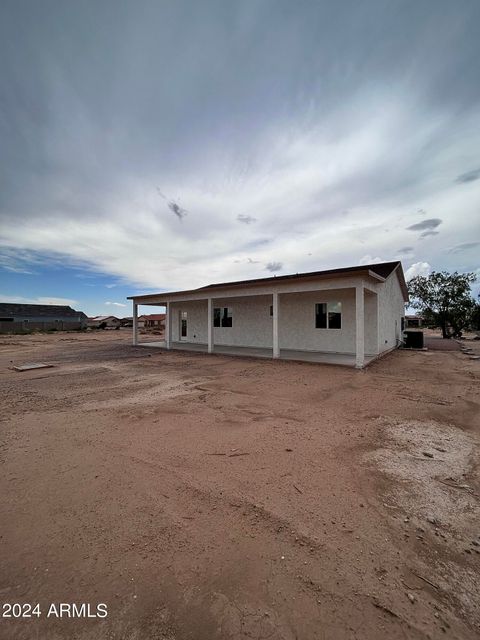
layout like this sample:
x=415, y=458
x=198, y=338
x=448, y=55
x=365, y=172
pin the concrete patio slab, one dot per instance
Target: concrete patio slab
x=347, y=360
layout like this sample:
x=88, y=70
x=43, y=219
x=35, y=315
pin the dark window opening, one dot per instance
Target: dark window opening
x=334, y=315
x=227, y=317
x=328, y=315
x=222, y=317
x=321, y=316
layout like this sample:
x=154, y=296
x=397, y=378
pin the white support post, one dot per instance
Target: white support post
x=210, y=325
x=135, y=325
x=168, y=324
x=275, y=341
x=360, y=326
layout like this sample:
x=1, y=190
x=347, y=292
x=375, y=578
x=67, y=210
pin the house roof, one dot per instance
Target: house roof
x=103, y=318
x=39, y=310
x=154, y=316
x=382, y=270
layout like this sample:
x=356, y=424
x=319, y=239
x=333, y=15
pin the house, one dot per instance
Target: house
x=21, y=317
x=347, y=316
x=413, y=322
x=153, y=321
x=104, y=322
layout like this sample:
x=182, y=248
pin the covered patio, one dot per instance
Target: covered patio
x=343, y=359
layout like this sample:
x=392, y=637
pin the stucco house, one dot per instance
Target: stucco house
x=152, y=321
x=347, y=316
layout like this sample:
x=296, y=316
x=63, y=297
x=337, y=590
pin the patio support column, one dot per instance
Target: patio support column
x=275, y=341
x=210, y=325
x=135, y=324
x=168, y=324
x=360, y=326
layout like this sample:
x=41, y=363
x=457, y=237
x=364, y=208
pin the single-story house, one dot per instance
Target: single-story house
x=104, y=322
x=349, y=315
x=21, y=317
x=153, y=321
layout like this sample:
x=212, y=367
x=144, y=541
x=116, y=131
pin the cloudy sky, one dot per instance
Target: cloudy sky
x=148, y=145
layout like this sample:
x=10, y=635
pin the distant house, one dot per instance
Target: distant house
x=126, y=322
x=104, y=322
x=21, y=317
x=413, y=322
x=153, y=321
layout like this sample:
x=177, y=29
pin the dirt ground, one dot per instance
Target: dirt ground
x=207, y=497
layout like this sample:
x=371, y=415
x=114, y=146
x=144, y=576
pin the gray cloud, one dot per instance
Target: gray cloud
x=274, y=266
x=177, y=209
x=469, y=176
x=405, y=250
x=427, y=234
x=262, y=108
x=463, y=246
x=431, y=223
x=246, y=219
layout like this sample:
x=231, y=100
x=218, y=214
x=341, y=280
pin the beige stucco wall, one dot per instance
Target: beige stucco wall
x=371, y=323
x=297, y=322
x=196, y=320
x=391, y=311
x=252, y=323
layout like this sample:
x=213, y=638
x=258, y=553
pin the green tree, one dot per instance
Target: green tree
x=445, y=299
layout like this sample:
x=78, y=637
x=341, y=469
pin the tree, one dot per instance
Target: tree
x=444, y=299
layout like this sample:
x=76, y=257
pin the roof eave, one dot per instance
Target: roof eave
x=204, y=291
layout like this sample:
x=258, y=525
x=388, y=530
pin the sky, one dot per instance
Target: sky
x=151, y=145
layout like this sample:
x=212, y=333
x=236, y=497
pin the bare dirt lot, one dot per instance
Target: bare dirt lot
x=206, y=497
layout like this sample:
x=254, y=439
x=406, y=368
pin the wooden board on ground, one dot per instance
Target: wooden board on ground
x=32, y=365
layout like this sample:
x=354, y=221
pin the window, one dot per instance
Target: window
x=321, y=316
x=183, y=324
x=222, y=317
x=334, y=315
x=328, y=315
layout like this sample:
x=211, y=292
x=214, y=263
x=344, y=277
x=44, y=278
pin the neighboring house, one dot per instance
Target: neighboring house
x=350, y=315
x=126, y=322
x=153, y=321
x=413, y=322
x=104, y=322
x=22, y=317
